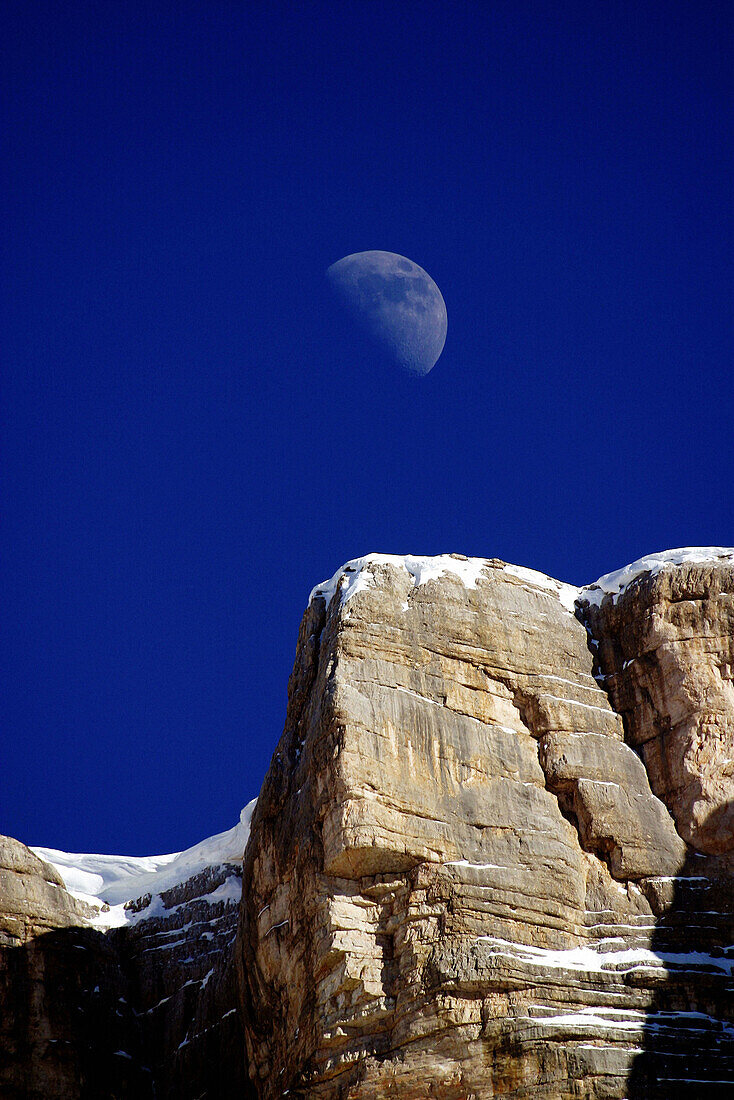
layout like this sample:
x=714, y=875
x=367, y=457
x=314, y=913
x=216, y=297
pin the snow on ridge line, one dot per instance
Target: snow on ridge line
x=114, y=880
x=614, y=583
x=355, y=575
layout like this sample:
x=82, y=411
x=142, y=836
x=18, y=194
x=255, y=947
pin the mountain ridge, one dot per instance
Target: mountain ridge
x=487, y=859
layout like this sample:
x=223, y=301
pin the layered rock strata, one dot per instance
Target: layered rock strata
x=460, y=883
x=666, y=648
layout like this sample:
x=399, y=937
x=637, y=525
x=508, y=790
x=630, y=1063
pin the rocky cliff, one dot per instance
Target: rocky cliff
x=460, y=880
x=493, y=857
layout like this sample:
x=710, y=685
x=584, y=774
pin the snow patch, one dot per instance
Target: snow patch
x=111, y=881
x=597, y=1018
x=614, y=584
x=593, y=961
x=480, y=866
x=357, y=575
x=632, y=1020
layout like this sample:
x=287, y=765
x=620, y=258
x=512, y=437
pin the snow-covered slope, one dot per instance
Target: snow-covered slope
x=107, y=883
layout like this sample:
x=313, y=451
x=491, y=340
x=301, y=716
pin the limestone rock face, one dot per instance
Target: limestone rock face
x=459, y=882
x=604, y=784
x=32, y=896
x=667, y=653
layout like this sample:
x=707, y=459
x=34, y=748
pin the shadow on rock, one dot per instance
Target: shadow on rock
x=73, y=1026
x=688, y=1039
x=68, y=1031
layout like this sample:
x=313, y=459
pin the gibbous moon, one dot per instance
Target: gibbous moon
x=396, y=302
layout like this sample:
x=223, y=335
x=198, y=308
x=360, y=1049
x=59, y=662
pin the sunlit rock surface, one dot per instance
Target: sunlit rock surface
x=667, y=652
x=459, y=881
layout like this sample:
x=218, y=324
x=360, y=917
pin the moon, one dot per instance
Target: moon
x=397, y=303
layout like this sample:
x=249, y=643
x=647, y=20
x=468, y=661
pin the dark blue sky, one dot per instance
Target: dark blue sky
x=190, y=442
